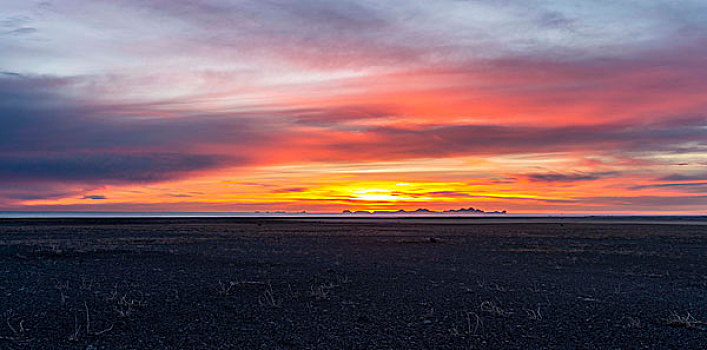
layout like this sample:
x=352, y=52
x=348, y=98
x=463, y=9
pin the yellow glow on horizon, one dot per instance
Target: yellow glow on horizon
x=466, y=183
x=377, y=197
x=392, y=193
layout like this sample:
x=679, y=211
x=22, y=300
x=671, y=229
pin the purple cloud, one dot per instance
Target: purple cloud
x=566, y=177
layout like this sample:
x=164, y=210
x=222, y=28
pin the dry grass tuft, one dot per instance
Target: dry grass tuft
x=687, y=321
x=268, y=298
x=492, y=308
x=534, y=314
x=225, y=289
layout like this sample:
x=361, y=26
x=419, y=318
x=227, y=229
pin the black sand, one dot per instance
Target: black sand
x=354, y=284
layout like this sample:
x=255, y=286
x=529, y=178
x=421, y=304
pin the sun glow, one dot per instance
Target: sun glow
x=337, y=187
x=377, y=197
x=393, y=193
x=374, y=194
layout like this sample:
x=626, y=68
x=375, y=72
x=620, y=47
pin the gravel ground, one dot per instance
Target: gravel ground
x=351, y=284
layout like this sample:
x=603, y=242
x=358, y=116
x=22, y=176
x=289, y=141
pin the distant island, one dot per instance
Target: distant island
x=469, y=210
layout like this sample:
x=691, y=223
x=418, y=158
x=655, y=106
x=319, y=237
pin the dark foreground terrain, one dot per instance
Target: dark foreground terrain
x=351, y=284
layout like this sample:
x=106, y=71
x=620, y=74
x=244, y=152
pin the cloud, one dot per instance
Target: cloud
x=102, y=167
x=49, y=137
x=641, y=202
x=684, y=177
x=322, y=35
x=471, y=195
x=337, y=32
x=14, y=21
x=25, y=195
x=44, y=190
x=566, y=177
x=21, y=31
x=94, y=197
x=180, y=195
x=694, y=187
x=167, y=90
x=455, y=140
x=289, y=190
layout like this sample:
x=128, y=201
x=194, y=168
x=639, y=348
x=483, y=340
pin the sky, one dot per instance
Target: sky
x=325, y=105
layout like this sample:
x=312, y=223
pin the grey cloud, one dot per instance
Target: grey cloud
x=102, y=167
x=47, y=137
x=684, y=177
x=695, y=187
x=21, y=31
x=42, y=190
x=641, y=202
x=14, y=21
x=94, y=197
x=566, y=177
x=461, y=194
x=495, y=139
x=289, y=190
x=37, y=118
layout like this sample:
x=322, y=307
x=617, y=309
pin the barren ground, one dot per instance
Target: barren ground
x=351, y=284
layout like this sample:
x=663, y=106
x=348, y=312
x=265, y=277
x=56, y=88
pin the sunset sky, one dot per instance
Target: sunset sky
x=325, y=105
